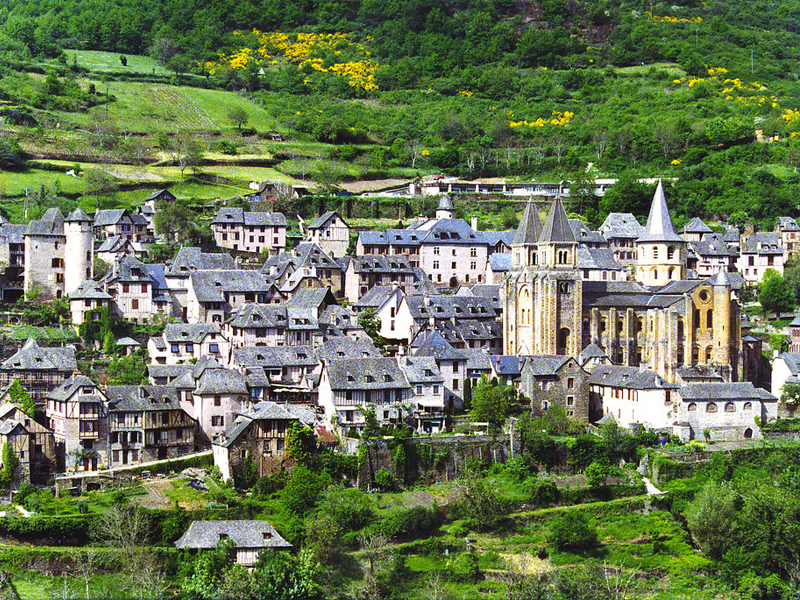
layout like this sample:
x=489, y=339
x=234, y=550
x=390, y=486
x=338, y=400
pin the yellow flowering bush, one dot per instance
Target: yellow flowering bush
x=334, y=53
x=668, y=19
x=734, y=90
x=557, y=118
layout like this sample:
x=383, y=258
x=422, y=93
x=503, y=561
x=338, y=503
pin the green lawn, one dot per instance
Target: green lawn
x=109, y=62
x=13, y=183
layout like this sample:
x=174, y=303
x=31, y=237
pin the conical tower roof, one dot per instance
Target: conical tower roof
x=530, y=227
x=556, y=227
x=78, y=215
x=446, y=203
x=660, y=227
x=721, y=278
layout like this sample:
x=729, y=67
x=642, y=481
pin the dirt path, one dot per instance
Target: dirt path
x=155, y=498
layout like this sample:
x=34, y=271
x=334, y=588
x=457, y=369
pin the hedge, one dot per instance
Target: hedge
x=66, y=528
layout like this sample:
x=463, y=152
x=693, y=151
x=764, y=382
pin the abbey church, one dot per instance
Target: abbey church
x=660, y=320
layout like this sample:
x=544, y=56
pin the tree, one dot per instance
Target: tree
x=372, y=326
x=21, y=398
x=173, y=220
x=490, y=402
x=164, y=49
x=303, y=490
x=711, y=518
x=97, y=182
x=124, y=527
x=597, y=473
x=238, y=117
x=187, y=152
x=480, y=501
x=571, y=531
x=12, y=157
x=775, y=294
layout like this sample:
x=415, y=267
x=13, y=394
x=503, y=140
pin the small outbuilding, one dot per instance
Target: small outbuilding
x=248, y=537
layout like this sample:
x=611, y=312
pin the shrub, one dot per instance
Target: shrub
x=417, y=522
x=466, y=567
x=384, y=479
x=542, y=492
x=572, y=531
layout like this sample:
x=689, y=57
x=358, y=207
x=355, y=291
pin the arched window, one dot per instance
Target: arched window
x=620, y=355
x=680, y=329
x=602, y=324
x=671, y=252
x=708, y=354
x=680, y=357
x=640, y=324
x=730, y=407
x=655, y=252
x=711, y=407
x=747, y=406
x=709, y=318
x=697, y=319
x=639, y=354
x=621, y=327
x=692, y=407
x=563, y=287
x=671, y=273
x=654, y=273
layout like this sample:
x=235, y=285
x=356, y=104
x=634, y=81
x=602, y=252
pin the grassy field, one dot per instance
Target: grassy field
x=109, y=62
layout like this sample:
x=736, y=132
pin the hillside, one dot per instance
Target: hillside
x=365, y=89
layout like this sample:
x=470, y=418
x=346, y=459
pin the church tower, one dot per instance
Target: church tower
x=543, y=299
x=661, y=252
x=445, y=210
x=78, y=250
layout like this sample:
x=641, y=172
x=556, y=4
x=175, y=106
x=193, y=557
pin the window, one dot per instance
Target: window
x=570, y=383
x=473, y=265
x=436, y=250
x=692, y=407
x=436, y=389
x=747, y=406
x=711, y=407
x=671, y=252
x=455, y=385
x=217, y=401
x=436, y=264
x=655, y=253
x=175, y=348
x=570, y=400
x=126, y=288
x=730, y=407
x=189, y=348
x=213, y=348
x=217, y=421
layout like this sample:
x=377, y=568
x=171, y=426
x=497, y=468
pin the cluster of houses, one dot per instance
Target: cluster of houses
x=633, y=322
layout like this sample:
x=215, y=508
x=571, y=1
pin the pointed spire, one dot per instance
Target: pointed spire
x=660, y=227
x=721, y=278
x=556, y=227
x=530, y=227
x=78, y=215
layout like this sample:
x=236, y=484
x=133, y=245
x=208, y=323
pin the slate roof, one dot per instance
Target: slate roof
x=796, y=321
x=51, y=223
x=507, y=365
x=762, y=243
x=114, y=243
x=376, y=296
x=792, y=360
x=248, y=218
x=127, y=269
x=220, y=381
x=556, y=228
x=244, y=534
x=366, y=374
x=322, y=220
x=127, y=341
x=621, y=226
x=380, y=263
x=591, y=351
x=311, y=255
x=194, y=333
x=731, y=236
x=596, y=259
x=78, y=216
x=142, y=397
x=157, y=193
x=500, y=262
x=193, y=259
x=259, y=316
x=710, y=392
x=314, y=298
x=421, y=369
x=342, y=347
x=626, y=377
x=275, y=357
x=660, y=227
x=32, y=357
x=431, y=343
x=530, y=226
x=261, y=411
x=436, y=232
x=90, y=290
x=450, y=307
x=170, y=372
x=544, y=364
x=712, y=244
x=106, y=217
x=446, y=203
x=787, y=224
x=477, y=359
x=585, y=235
x=12, y=233
x=210, y=286
x=696, y=225
x=68, y=388
x=688, y=373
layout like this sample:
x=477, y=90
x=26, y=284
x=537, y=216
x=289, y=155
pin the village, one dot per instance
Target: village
x=635, y=323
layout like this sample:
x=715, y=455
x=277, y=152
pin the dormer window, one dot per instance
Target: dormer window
x=369, y=378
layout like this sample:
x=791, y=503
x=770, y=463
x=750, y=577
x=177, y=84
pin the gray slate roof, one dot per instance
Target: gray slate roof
x=240, y=216
x=626, y=377
x=114, y=243
x=70, y=386
x=712, y=244
x=431, y=343
x=450, y=307
x=275, y=357
x=792, y=360
x=596, y=259
x=106, y=217
x=762, y=243
x=696, y=225
x=78, y=216
x=142, y=397
x=500, y=262
x=621, y=226
x=51, y=223
x=530, y=227
x=710, y=392
x=584, y=235
x=556, y=228
x=193, y=259
x=342, y=347
x=787, y=224
x=191, y=333
x=90, y=290
x=210, y=286
x=32, y=357
x=244, y=534
x=366, y=374
x=321, y=220
x=421, y=369
x=544, y=364
x=660, y=227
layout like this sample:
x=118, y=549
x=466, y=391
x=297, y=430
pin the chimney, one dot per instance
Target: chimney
x=426, y=300
x=474, y=222
x=749, y=229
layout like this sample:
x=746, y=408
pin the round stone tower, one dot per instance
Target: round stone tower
x=78, y=251
x=445, y=210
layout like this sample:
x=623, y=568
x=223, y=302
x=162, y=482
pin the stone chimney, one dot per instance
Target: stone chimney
x=474, y=223
x=749, y=229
